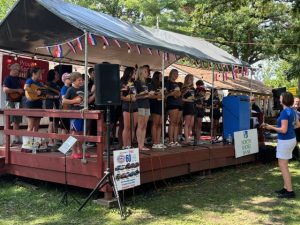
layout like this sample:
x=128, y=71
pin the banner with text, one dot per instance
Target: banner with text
x=245, y=142
x=127, y=168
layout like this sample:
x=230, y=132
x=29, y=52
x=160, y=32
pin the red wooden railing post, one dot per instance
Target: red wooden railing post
x=100, y=144
x=7, y=138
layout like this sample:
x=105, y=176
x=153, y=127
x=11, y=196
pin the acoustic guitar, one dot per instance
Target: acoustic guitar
x=79, y=96
x=32, y=95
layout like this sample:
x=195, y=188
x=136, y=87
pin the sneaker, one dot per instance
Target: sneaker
x=177, y=144
x=171, y=144
x=90, y=144
x=155, y=146
x=287, y=194
x=162, y=146
x=281, y=191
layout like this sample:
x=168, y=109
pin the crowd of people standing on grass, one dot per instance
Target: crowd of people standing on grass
x=141, y=99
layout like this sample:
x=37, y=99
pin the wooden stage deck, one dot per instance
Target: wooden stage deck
x=155, y=165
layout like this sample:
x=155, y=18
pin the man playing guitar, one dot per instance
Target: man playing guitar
x=12, y=87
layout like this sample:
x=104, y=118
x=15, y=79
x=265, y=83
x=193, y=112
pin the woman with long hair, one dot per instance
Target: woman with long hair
x=33, y=76
x=156, y=109
x=188, y=98
x=143, y=106
x=286, y=123
x=129, y=106
x=174, y=106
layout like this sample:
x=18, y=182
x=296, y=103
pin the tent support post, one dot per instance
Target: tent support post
x=212, y=105
x=251, y=83
x=163, y=98
x=85, y=91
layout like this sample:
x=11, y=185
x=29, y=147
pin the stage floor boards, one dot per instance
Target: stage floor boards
x=155, y=164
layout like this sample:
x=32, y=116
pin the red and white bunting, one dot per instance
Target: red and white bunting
x=91, y=39
x=58, y=51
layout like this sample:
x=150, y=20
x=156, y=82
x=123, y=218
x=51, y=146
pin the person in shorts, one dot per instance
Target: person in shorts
x=143, y=106
x=12, y=87
x=286, y=123
x=74, y=98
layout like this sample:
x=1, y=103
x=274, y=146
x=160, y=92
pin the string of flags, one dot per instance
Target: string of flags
x=77, y=45
x=223, y=72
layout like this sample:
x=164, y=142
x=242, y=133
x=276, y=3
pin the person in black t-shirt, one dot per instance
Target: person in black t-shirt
x=188, y=98
x=156, y=109
x=52, y=101
x=129, y=106
x=174, y=106
x=200, y=108
x=74, y=97
x=143, y=106
x=13, y=89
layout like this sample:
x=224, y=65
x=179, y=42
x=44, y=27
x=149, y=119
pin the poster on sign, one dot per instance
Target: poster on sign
x=245, y=142
x=127, y=168
x=25, y=64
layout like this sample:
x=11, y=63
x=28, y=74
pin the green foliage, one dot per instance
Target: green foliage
x=275, y=74
x=241, y=195
x=5, y=6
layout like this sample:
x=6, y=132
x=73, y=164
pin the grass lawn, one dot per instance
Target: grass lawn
x=242, y=195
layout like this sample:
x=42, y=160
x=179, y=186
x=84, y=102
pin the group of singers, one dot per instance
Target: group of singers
x=141, y=98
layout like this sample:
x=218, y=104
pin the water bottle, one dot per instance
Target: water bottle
x=229, y=139
x=33, y=148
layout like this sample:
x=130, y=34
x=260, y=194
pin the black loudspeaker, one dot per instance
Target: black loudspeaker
x=276, y=95
x=63, y=69
x=107, y=81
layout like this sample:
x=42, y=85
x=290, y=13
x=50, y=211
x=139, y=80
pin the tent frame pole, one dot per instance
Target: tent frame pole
x=212, y=105
x=85, y=91
x=163, y=98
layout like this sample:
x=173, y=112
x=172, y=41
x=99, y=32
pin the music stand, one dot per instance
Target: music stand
x=108, y=177
x=65, y=148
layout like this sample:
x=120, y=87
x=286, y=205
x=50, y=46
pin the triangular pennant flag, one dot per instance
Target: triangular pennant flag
x=226, y=75
x=232, y=71
x=149, y=51
x=138, y=49
x=91, y=39
x=105, y=41
x=117, y=43
x=79, y=45
x=71, y=46
x=49, y=50
x=58, y=52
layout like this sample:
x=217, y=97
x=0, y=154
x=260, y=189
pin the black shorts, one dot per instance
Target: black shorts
x=200, y=112
x=188, y=109
x=156, y=107
x=216, y=114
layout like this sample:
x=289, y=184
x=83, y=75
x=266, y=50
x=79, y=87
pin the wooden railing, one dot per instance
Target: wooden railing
x=72, y=114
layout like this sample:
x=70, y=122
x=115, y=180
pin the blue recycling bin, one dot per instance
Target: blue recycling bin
x=236, y=114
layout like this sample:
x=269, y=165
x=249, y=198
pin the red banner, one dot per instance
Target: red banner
x=25, y=63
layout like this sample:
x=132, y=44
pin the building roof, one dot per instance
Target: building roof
x=240, y=84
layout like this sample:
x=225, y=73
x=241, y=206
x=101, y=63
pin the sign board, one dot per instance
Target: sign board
x=25, y=64
x=293, y=90
x=245, y=142
x=127, y=168
x=67, y=145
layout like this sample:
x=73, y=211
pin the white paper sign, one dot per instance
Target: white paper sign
x=245, y=142
x=127, y=168
x=67, y=145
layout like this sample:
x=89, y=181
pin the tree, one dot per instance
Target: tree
x=5, y=6
x=247, y=29
x=274, y=74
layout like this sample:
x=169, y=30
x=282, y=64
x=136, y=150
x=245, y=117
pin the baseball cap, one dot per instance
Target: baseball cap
x=65, y=76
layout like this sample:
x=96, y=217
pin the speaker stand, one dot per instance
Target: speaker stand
x=108, y=177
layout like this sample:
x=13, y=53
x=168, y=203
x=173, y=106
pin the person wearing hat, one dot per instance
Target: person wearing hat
x=12, y=87
x=65, y=122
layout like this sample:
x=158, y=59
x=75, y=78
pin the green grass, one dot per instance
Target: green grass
x=242, y=195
